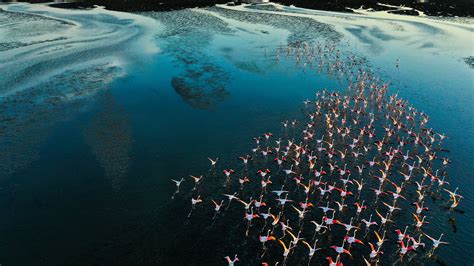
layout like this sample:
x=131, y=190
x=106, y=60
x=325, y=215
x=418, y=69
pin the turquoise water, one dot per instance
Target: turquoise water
x=87, y=181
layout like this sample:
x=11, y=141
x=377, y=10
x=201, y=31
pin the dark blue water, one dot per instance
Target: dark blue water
x=94, y=184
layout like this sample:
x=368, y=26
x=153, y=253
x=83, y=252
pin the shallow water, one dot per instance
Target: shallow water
x=88, y=153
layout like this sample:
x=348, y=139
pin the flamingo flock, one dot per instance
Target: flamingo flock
x=340, y=185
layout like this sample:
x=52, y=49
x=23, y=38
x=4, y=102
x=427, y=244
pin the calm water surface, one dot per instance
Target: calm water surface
x=87, y=163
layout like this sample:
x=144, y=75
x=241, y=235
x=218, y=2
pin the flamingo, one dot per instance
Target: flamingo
x=193, y=204
x=263, y=173
x=286, y=251
x=341, y=250
x=311, y=249
x=265, y=182
x=353, y=239
x=231, y=197
x=417, y=243
x=368, y=223
x=330, y=221
x=455, y=202
x=419, y=208
x=196, y=181
x=285, y=227
x=242, y=181
x=401, y=235
x=334, y=263
x=178, y=183
x=217, y=207
x=213, y=163
x=280, y=192
x=404, y=250
x=360, y=185
x=360, y=207
x=326, y=208
x=231, y=261
x=380, y=240
x=228, y=173
x=289, y=171
x=249, y=217
x=276, y=219
x=279, y=160
x=349, y=226
x=245, y=159
x=391, y=209
x=341, y=206
x=374, y=252
x=296, y=239
x=265, y=238
x=318, y=227
x=305, y=205
x=283, y=201
x=300, y=212
x=246, y=204
x=267, y=215
x=419, y=223
x=259, y=203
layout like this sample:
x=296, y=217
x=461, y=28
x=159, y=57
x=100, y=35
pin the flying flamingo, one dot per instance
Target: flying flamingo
x=249, y=217
x=419, y=223
x=368, y=223
x=242, y=181
x=227, y=174
x=232, y=261
x=417, y=243
x=264, y=239
x=213, y=163
x=401, y=235
x=318, y=227
x=404, y=250
x=193, y=204
x=178, y=183
x=353, y=239
x=280, y=192
x=231, y=197
x=340, y=250
x=296, y=239
x=380, y=240
x=246, y=204
x=301, y=213
x=419, y=208
x=217, y=207
x=245, y=159
x=286, y=251
x=334, y=263
x=374, y=252
x=196, y=179
x=311, y=250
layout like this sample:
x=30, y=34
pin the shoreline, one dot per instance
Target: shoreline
x=432, y=9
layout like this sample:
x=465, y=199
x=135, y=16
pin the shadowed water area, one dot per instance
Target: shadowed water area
x=99, y=110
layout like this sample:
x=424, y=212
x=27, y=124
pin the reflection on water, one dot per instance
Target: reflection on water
x=28, y=116
x=297, y=26
x=107, y=201
x=43, y=42
x=188, y=33
x=109, y=136
x=469, y=61
x=200, y=91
